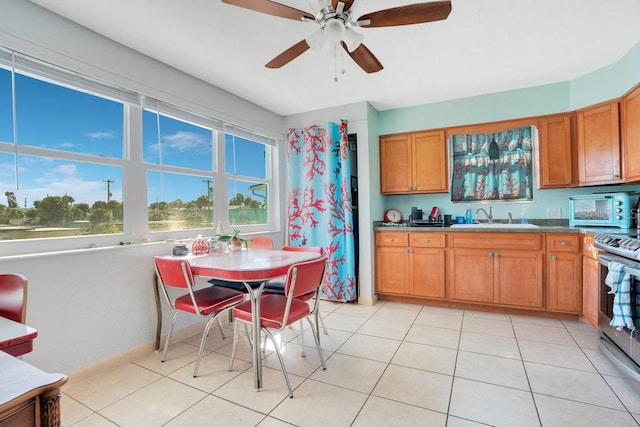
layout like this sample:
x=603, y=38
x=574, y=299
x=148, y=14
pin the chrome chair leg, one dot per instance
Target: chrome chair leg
x=205, y=334
x=166, y=342
x=233, y=348
x=284, y=370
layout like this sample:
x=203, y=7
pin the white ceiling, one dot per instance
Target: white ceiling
x=484, y=46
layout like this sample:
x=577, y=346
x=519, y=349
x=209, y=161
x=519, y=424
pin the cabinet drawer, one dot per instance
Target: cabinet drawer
x=427, y=240
x=563, y=243
x=392, y=239
x=506, y=240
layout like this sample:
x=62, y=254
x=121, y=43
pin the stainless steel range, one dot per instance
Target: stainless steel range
x=621, y=343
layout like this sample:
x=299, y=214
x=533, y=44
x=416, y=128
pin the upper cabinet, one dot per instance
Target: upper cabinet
x=556, y=152
x=631, y=135
x=412, y=163
x=599, y=144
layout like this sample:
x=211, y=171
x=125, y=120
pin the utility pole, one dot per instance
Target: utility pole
x=209, y=181
x=109, y=182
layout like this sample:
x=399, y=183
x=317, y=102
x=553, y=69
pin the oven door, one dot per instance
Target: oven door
x=596, y=210
x=621, y=346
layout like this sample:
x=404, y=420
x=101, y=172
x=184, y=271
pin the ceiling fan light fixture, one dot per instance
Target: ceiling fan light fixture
x=334, y=30
x=316, y=39
x=318, y=6
x=352, y=39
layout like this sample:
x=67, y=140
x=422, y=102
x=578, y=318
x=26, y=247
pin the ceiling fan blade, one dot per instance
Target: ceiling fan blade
x=347, y=4
x=411, y=14
x=271, y=8
x=288, y=55
x=364, y=58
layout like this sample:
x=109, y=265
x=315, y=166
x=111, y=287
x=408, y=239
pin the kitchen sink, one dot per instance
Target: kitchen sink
x=495, y=225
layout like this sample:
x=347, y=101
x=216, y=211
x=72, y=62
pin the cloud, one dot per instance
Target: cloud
x=101, y=135
x=187, y=141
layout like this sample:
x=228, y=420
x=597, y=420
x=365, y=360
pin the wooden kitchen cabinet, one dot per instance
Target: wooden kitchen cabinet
x=498, y=268
x=599, y=144
x=556, y=152
x=410, y=263
x=412, y=163
x=631, y=135
x=590, y=281
x=564, y=273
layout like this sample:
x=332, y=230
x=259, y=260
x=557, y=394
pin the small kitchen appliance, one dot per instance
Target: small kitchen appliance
x=603, y=210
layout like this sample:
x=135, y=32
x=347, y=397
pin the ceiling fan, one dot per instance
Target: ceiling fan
x=336, y=25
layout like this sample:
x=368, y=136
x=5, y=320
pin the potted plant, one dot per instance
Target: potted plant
x=234, y=240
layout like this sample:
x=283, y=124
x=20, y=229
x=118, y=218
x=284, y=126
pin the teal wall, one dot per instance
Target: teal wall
x=598, y=86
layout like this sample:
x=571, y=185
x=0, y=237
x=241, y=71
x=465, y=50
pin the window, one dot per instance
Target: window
x=497, y=166
x=61, y=158
x=180, y=179
x=248, y=187
x=73, y=150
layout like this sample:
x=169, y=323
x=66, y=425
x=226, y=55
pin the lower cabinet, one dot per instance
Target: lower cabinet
x=527, y=270
x=590, y=281
x=496, y=274
x=564, y=273
x=410, y=263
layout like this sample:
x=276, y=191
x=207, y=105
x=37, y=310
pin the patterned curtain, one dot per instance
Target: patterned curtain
x=494, y=166
x=319, y=202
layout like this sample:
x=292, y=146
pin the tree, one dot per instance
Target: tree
x=12, y=202
x=54, y=210
x=203, y=203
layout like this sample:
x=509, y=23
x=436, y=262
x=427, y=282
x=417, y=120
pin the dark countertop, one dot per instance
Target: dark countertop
x=544, y=226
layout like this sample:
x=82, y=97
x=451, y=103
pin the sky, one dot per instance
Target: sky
x=55, y=117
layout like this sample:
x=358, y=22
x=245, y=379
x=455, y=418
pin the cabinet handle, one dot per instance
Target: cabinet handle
x=616, y=176
x=563, y=243
x=553, y=257
x=392, y=240
x=490, y=253
x=568, y=181
x=426, y=240
x=496, y=254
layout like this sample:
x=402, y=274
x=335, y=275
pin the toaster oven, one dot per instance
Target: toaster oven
x=604, y=210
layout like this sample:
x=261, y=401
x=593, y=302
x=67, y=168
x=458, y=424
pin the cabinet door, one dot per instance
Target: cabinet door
x=631, y=135
x=392, y=270
x=428, y=272
x=396, y=170
x=564, y=282
x=556, y=152
x=430, y=162
x=470, y=275
x=518, y=278
x=599, y=145
x=590, y=284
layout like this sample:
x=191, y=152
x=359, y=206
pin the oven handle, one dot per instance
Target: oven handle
x=633, y=268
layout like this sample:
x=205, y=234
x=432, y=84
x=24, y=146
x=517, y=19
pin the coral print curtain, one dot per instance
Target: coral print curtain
x=319, y=202
x=496, y=166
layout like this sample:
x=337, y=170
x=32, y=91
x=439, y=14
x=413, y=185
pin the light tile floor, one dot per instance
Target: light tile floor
x=387, y=365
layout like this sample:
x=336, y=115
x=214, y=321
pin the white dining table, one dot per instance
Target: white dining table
x=245, y=266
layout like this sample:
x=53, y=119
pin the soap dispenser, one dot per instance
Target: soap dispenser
x=523, y=217
x=468, y=215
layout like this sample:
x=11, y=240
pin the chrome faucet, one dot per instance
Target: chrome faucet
x=488, y=215
x=510, y=217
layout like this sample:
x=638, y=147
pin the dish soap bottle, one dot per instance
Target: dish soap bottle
x=468, y=216
x=523, y=217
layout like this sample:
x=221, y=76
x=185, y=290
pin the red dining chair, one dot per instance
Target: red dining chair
x=261, y=242
x=277, y=287
x=279, y=311
x=13, y=297
x=207, y=302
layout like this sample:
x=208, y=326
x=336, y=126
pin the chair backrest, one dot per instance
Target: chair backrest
x=305, y=277
x=261, y=243
x=317, y=249
x=13, y=297
x=175, y=273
